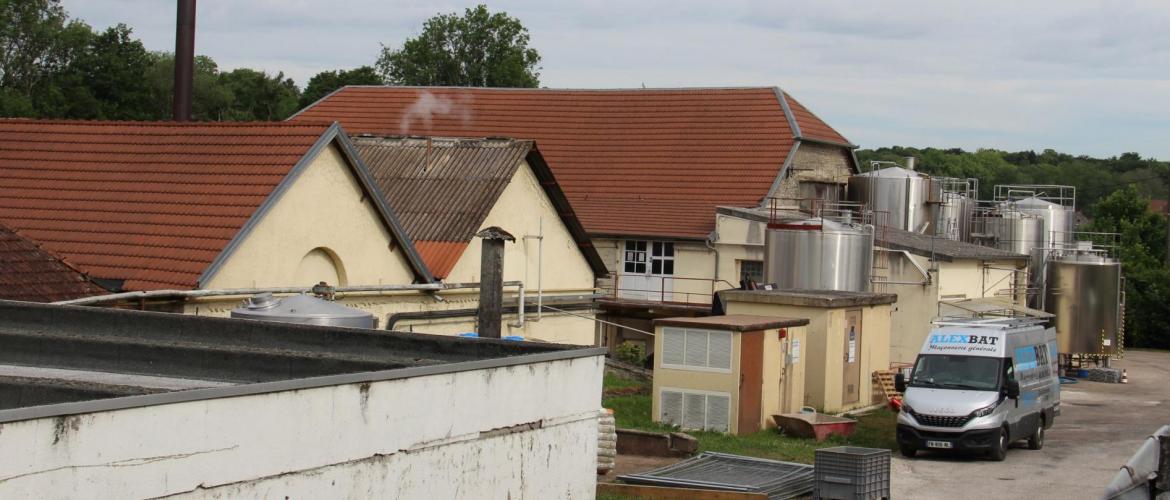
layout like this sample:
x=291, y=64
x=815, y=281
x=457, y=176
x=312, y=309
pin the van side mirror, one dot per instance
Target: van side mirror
x=900, y=382
x=1012, y=388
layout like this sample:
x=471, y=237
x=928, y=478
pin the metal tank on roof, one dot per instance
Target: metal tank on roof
x=1058, y=219
x=1015, y=231
x=304, y=310
x=954, y=216
x=909, y=198
x=818, y=254
x=1084, y=292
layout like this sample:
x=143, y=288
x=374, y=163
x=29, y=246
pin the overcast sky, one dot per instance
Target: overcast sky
x=1084, y=77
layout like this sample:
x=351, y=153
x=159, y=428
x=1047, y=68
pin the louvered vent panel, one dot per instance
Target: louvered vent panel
x=696, y=354
x=719, y=344
x=673, y=346
x=694, y=406
x=671, y=407
x=718, y=413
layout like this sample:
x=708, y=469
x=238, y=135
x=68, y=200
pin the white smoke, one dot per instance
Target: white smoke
x=428, y=106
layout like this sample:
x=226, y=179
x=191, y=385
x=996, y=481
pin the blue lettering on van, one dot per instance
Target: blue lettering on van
x=963, y=339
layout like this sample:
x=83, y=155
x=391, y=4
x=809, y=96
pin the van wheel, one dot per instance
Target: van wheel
x=1036, y=440
x=908, y=451
x=999, y=449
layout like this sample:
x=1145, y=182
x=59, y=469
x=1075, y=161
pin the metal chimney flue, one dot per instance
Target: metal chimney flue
x=910, y=161
x=184, y=60
x=491, y=281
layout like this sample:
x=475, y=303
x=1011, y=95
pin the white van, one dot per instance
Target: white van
x=980, y=385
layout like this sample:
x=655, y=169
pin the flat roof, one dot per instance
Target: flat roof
x=735, y=322
x=829, y=299
x=63, y=360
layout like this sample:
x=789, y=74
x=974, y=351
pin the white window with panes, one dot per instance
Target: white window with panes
x=647, y=270
x=695, y=410
x=696, y=349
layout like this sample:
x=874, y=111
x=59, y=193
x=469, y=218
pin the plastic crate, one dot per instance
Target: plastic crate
x=851, y=472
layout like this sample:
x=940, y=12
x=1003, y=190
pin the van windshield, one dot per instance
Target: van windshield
x=943, y=371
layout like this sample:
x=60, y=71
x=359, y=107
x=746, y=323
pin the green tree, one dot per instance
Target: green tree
x=105, y=80
x=36, y=40
x=325, y=82
x=210, y=99
x=257, y=96
x=478, y=49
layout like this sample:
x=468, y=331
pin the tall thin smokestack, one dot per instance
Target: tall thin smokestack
x=184, y=60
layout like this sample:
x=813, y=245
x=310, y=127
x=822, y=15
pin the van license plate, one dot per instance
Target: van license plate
x=938, y=444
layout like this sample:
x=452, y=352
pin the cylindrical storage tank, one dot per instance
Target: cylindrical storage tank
x=303, y=309
x=1016, y=232
x=954, y=217
x=1059, y=220
x=818, y=254
x=909, y=197
x=1084, y=292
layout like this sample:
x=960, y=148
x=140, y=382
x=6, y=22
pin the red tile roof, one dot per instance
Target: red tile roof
x=441, y=256
x=631, y=162
x=152, y=204
x=31, y=274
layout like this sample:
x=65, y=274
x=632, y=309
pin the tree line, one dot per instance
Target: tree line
x=54, y=66
x=1114, y=193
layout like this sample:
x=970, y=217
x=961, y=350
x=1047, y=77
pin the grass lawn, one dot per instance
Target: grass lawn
x=875, y=430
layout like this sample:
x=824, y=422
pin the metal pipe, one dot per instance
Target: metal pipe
x=184, y=60
x=520, y=307
x=395, y=318
x=156, y=294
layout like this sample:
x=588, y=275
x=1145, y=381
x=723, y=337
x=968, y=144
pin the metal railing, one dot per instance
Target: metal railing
x=699, y=291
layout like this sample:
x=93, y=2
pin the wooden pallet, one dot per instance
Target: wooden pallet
x=884, y=379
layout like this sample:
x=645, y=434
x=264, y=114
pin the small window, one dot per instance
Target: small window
x=752, y=270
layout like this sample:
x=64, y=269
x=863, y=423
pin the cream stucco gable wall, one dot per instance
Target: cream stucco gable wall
x=322, y=228
x=522, y=210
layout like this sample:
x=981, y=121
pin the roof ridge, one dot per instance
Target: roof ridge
x=166, y=123
x=558, y=89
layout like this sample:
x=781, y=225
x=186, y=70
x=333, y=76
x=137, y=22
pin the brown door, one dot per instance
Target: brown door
x=751, y=381
x=851, y=392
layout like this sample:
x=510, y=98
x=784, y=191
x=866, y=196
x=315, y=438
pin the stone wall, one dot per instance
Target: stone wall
x=818, y=163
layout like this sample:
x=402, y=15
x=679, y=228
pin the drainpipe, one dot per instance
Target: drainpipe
x=710, y=241
x=539, y=269
x=491, y=270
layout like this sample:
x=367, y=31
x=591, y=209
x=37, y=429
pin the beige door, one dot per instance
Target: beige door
x=851, y=390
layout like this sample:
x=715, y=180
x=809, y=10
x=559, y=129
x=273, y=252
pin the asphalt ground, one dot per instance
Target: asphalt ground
x=1100, y=427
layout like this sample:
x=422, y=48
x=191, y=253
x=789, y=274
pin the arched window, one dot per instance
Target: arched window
x=320, y=264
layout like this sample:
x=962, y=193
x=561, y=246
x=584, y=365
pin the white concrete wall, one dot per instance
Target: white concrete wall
x=525, y=431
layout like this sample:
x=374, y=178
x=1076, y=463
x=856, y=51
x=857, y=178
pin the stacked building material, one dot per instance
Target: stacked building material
x=1107, y=375
x=606, y=441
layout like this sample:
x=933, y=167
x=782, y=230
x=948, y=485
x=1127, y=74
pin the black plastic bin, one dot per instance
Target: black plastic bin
x=852, y=473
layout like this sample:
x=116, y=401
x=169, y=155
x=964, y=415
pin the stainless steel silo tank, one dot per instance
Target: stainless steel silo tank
x=1059, y=220
x=1084, y=292
x=1015, y=231
x=303, y=309
x=911, y=199
x=818, y=254
x=955, y=214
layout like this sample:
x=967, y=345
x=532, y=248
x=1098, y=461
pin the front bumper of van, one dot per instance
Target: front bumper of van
x=972, y=440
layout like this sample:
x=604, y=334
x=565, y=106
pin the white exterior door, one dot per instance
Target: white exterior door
x=647, y=270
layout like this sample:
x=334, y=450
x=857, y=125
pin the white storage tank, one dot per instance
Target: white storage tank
x=818, y=254
x=304, y=310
